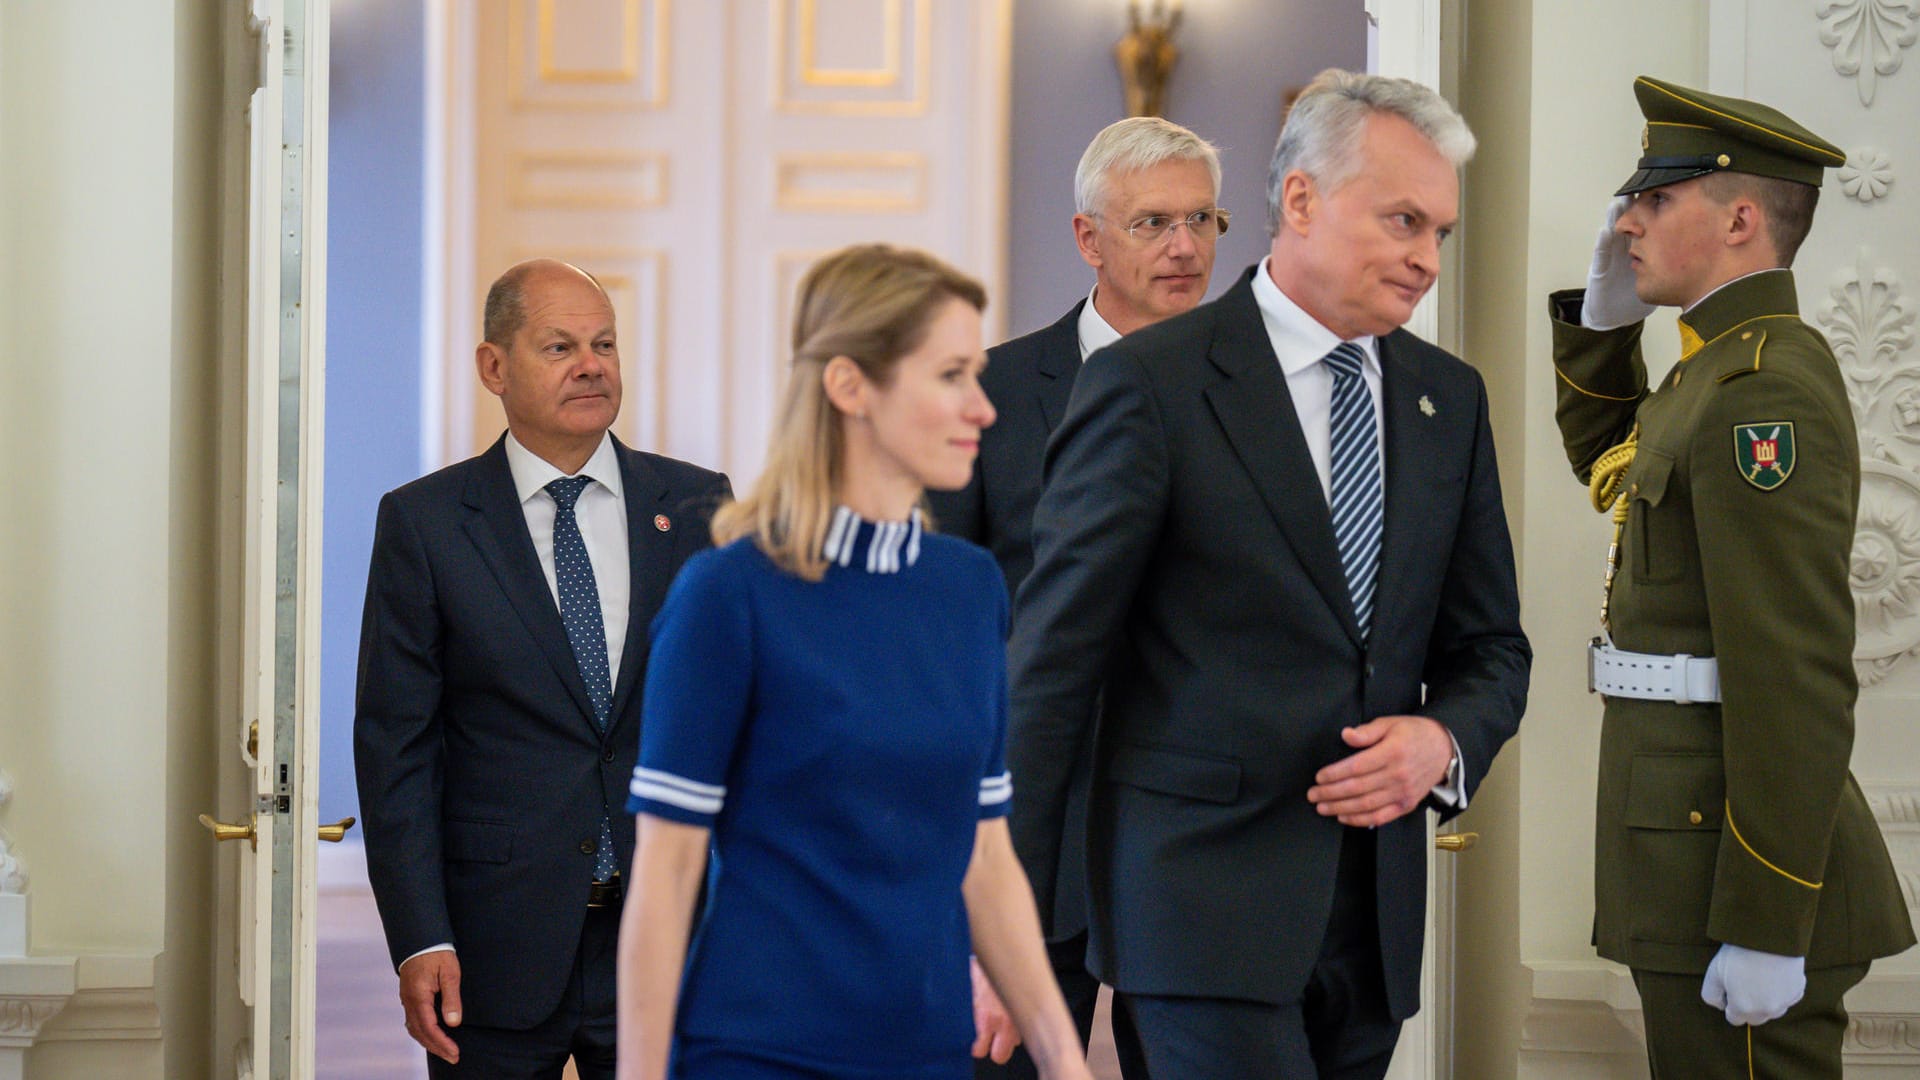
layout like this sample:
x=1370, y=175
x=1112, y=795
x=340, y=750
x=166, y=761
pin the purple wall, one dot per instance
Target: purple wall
x=376, y=155
x=1238, y=58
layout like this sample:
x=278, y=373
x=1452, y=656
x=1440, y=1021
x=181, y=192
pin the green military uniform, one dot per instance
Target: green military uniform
x=1734, y=821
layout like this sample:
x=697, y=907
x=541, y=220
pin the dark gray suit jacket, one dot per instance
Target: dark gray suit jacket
x=1028, y=380
x=482, y=773
x=1186, y=567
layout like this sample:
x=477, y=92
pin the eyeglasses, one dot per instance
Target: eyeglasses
x=1202, y=225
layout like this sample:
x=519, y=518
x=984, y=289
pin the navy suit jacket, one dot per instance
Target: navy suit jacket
x=1028, y=380
x=482, y=773
x=1185, y=567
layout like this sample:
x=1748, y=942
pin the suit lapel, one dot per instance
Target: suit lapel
x=1256, y=410
x=498, y=529
x=649, y=564
x=1409, y=487
x=1059, y=363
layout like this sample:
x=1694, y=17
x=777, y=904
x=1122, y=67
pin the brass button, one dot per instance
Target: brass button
x=1633, y=489
x=588, y=847
x=1694, y=817
x=1724, y=161
x=1748, y=336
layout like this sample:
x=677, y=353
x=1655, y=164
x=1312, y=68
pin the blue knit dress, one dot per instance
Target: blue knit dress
x=843, y=740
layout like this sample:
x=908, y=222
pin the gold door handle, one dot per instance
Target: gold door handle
x=223, y=831
x=337, y=831
x=1456, y=842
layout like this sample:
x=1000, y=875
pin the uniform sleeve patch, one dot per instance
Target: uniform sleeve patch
x=1764, y=453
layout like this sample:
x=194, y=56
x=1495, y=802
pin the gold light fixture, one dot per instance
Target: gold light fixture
x=1146, y=55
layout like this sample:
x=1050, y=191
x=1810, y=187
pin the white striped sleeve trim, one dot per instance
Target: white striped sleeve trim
x=995, y=790
x=677, y=791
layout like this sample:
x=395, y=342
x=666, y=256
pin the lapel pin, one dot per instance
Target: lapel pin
x=1426, y=405
x=661, y=522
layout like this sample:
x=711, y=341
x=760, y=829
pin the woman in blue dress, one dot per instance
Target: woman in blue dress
x=825, y=710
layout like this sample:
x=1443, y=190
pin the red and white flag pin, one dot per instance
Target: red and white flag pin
x=662, y=522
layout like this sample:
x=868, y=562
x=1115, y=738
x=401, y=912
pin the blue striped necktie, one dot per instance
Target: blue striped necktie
x=586, y=629
x=1355, y=479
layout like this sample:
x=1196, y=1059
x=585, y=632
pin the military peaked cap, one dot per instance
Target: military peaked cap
x=1692, y=133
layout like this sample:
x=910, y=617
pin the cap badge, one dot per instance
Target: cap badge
x=662, y=522
x=1646, y=138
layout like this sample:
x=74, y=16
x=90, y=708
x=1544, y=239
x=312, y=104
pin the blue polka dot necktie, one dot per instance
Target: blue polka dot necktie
x=580, y=611
x=1354, y=479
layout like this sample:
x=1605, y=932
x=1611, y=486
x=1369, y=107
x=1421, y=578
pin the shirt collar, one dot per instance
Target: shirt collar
x=532, y=473
x=1298, y=338
x=878, y=547
x=1095, y=332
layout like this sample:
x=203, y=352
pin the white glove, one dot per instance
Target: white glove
x=1611, y=302
x=1751, y=986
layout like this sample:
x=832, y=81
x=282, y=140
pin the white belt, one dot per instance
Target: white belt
x=1681, y=679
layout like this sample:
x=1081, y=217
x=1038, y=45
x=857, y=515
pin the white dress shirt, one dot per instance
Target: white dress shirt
x=1095, y=332
x=1302, y=343
x=601, y=512
x=602, y=515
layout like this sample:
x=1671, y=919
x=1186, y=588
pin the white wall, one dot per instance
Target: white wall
x=103, y=277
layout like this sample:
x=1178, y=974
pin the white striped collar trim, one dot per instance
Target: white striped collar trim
x=881, y=547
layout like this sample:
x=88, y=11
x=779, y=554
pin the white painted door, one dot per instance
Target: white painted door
x=1403, y=39
x=697, y=157
x=272, y=741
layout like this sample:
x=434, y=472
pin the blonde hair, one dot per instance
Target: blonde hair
x=871, y=303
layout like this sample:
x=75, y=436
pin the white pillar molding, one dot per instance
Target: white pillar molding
x=33, y=990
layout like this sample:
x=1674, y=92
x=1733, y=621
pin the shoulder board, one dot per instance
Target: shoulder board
x=1759, y=343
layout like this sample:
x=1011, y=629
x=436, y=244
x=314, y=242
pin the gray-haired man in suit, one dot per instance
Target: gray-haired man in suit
x=1146, y=217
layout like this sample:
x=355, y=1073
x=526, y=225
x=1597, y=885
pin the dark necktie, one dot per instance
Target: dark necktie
x=580, y=611
x=1355, y=479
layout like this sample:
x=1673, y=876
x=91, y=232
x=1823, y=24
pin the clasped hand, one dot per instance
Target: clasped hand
x=1753, y=987
x=1400, y=760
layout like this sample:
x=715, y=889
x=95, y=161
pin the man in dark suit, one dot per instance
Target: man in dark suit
x=501, y=656
x=1146, y=196
x=1271, y=543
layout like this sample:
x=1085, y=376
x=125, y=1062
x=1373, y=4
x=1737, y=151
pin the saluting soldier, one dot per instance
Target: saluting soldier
x=1739, y=871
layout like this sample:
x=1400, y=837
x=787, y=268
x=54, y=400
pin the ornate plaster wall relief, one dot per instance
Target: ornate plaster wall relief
x=1882, y=1035
x=1867, y=175
x=1866, y=37
x=1886, y=570
x=13, y=872
x=1869, y=321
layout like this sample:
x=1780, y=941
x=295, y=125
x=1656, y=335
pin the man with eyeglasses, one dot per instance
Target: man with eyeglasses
x=1146, y=220
x=1274, y=591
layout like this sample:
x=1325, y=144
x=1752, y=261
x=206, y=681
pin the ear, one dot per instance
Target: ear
x=490, y=361
x=1746, y=223
x=846, y=386
x=1299, y=202
x=1086, y=236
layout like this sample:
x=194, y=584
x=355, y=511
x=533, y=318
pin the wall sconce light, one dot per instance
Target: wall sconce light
x=1146, y=56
